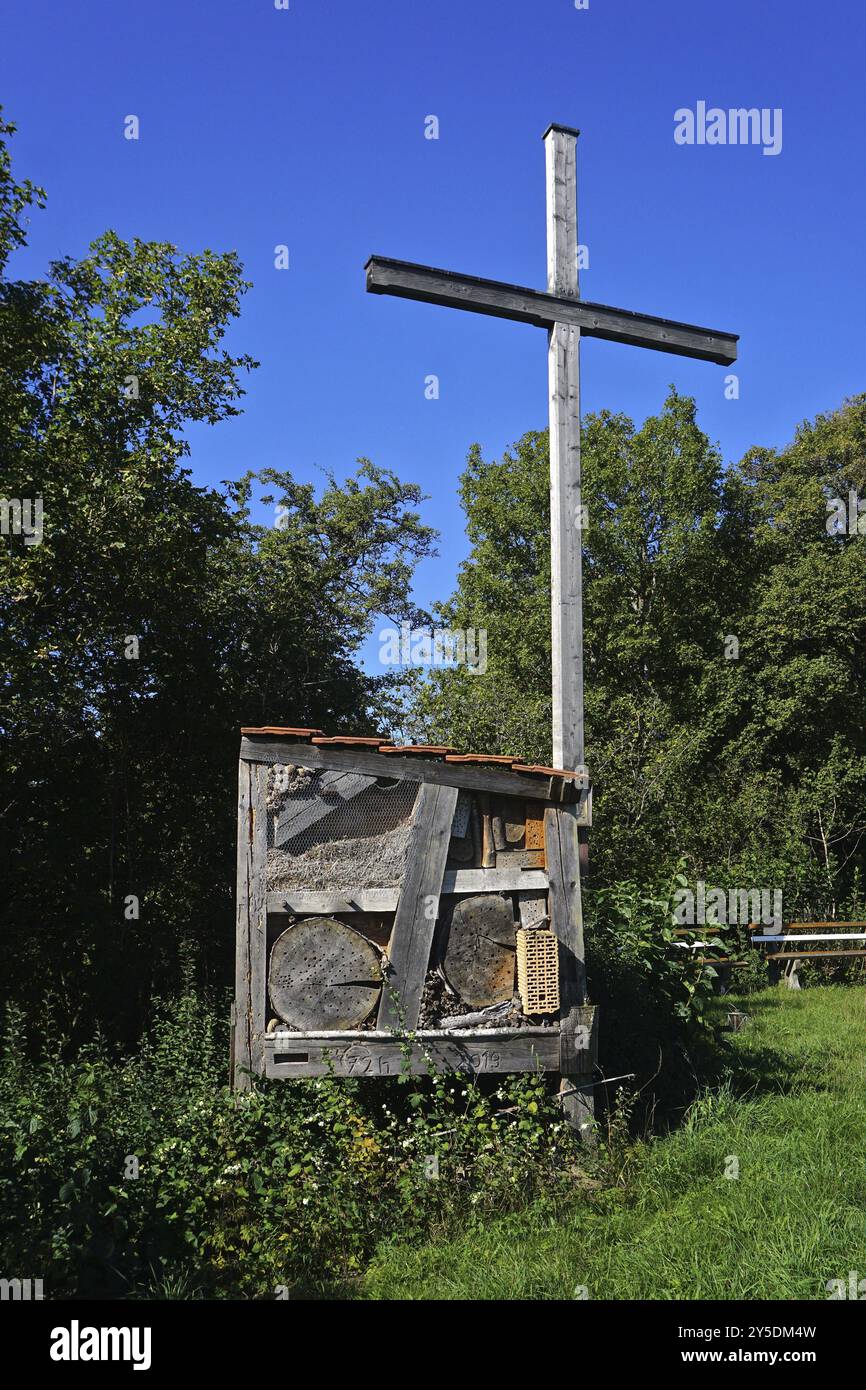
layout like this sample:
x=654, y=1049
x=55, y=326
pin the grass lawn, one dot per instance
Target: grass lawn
x=792, y=1117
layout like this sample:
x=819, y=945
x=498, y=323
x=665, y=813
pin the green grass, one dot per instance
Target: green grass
x=793, y=1115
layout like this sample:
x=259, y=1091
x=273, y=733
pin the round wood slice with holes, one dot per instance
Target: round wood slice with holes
x=323, y=975
x=481, y=949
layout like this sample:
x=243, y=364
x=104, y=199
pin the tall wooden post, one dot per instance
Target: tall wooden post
x=252, y=924
x=565, y=505
x=566, y=599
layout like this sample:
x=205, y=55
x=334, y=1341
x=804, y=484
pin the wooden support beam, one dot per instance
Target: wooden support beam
x=407, y=280
x=325, y=903
x=470, y=777
x=332, y=904
x=566, y=920
x=566, y=546
x=251, y=940
x=476, y=1051
x=566, y=524
x=493, y=880
x=418, y=908
x=566, y=909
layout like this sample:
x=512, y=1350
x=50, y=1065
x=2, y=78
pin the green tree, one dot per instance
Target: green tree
x=154, y=617
x=725, y=638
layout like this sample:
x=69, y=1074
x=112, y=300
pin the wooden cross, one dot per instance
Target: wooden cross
x=565, y=316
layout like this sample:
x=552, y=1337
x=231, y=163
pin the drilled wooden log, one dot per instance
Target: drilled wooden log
x=480, y=950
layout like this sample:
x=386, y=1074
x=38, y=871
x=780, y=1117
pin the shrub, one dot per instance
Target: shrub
x=235, y=1195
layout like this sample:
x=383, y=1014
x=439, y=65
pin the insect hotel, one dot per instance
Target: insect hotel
x=411, y=906
x=406, y=908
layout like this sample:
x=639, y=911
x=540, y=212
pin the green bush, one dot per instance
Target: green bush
x=236, y=1195
x=653, y=996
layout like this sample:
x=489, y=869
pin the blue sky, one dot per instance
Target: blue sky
x=305, y=127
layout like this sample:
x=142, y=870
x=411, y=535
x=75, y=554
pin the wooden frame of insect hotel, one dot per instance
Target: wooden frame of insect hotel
x=407, y=908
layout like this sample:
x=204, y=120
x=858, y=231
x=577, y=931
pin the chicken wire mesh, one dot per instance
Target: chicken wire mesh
x=330, y=830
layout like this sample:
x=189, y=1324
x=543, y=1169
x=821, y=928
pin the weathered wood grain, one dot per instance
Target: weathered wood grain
x=507, y=880
x=566, y=912
x=374, y=1054
x=532, y=908
x=407, y=280
x=331, y=904
x=566, y=526
x=418, y=907
x=472, y=777
x=251, y=937
x=493, y=880
x=560, y=156
x=566, y=908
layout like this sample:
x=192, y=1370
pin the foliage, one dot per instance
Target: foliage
x=119, y=761
x=238, y=1195
x=725, y=648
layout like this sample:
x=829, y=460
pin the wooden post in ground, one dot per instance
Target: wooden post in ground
x=578, y=1025
x=563, y=359
x=252, y=924
x=566, y=602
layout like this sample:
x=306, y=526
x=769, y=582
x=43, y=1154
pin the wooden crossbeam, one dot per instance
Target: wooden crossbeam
x=407, y=280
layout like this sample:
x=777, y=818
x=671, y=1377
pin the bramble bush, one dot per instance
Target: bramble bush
x=143, y=1175
x=237, y=1195
x=652, y=994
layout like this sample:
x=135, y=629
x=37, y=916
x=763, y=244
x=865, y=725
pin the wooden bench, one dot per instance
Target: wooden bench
x=761, y=937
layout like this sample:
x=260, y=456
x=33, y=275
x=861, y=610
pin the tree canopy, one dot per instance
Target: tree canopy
x=155, y=617
x=725, y=640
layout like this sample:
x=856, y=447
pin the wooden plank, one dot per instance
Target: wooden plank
x=368, y=1055
x=303, y=814
x=535, y=825
x=560, y=154
x=366, y=1035
x=251, y=928
x=566, y=914
x=520, y=859
x=579, y=1042
x=566, y=910
x=566, y=604
x=488, y=851
x=566, y=557
x=805, y=955
x=328, y=904
x=281, y=730
x=493, y=880
x=408, y=280
x=791, y=925
x=472, y=777
x=532, y=908
x=497, y=825
x=418, y=908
